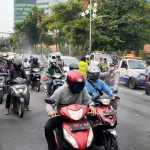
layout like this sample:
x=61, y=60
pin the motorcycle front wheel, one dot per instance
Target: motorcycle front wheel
x=38, y=86
x=1, y=97
x=112, y=143
x=20, y=109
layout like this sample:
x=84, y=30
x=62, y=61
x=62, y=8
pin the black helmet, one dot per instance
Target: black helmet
x=83, y=58
x=35, y=59
x=93, y=72
x=9, y=61
x=73, y=66
x=148, y=62
x=17, y=64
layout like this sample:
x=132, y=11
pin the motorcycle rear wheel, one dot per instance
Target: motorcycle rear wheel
x=21, y=109
x=1, y=97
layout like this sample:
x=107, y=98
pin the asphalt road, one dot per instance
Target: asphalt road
x=28, y=133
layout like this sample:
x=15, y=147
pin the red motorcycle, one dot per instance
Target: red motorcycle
x=77, y=133
x=103, y=124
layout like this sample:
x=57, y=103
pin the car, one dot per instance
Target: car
x=132, y=72
x=67, y=61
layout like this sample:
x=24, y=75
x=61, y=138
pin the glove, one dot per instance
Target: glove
x=116, y=99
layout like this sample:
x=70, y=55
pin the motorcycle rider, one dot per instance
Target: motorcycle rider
x=31, y=59
x=73, y=66
x=72, y=92
x=83, y=65
x=8, y=65
x=34, y=64
x=59, y=61
x=93, y=73
x=13, y=74
x=50, y=70
x=26, y=64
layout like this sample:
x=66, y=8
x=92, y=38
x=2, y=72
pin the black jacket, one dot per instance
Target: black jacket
x=13, y=73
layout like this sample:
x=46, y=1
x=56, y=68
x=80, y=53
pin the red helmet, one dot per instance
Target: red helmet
x=75, y=81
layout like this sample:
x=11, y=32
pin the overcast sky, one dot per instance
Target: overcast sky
x=6, y=15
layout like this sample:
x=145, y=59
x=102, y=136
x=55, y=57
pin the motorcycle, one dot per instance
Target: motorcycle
x=35, y=80
x=3, y=86
x=27, y=71
x=76, y=134
x=57, y=82
x=103, y=124
x=20, y=95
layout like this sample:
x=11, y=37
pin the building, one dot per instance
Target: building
x=21, y=8
x=46, y=4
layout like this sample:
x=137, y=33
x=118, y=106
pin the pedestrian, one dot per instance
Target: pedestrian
x=100, y=63
x=147, y=78
x=83, y=65
x=59, y=61
x=105, y=66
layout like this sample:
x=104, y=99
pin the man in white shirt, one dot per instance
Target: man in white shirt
x=26, y=64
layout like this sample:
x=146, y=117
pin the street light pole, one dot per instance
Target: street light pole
x=90, y=38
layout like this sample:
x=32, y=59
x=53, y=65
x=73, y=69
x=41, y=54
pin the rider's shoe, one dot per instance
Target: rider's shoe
x=7, y=111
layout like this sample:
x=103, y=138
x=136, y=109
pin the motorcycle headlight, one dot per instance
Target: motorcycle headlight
x=90, y=137
x=25, y=90
x=105, y=101
x=75, y=115
x=15, y=90
x=70, y=139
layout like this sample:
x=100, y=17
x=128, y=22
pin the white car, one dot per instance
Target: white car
x=67, y=61
x=132, y=72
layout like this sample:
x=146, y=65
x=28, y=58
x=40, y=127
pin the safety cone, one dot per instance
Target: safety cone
x=44, y=76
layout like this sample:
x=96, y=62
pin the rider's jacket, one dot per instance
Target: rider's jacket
x=13, y=73
x=35, y=65
x=83, y=67
x=50, y=70
x=102, y=86
x=63, y=97
x=26, y=64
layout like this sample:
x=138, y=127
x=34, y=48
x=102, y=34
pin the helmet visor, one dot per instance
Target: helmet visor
x=77, y=87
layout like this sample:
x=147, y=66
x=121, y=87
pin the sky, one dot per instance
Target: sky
x=6, y=16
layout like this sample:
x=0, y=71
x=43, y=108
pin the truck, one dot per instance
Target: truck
x=95, y=57
x=132, y=72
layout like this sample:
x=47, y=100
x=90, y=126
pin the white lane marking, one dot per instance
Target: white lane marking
x=130, y=91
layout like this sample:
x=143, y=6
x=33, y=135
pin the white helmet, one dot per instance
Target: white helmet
x=87, y=56
x=52, y=62
x=58, y=54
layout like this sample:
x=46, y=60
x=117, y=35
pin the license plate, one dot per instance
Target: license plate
x=20, y=90
x=79, y=126
x=107, y=113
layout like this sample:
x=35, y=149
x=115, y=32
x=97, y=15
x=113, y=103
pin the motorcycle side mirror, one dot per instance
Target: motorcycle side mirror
x=49, y=101
x=95, y=98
